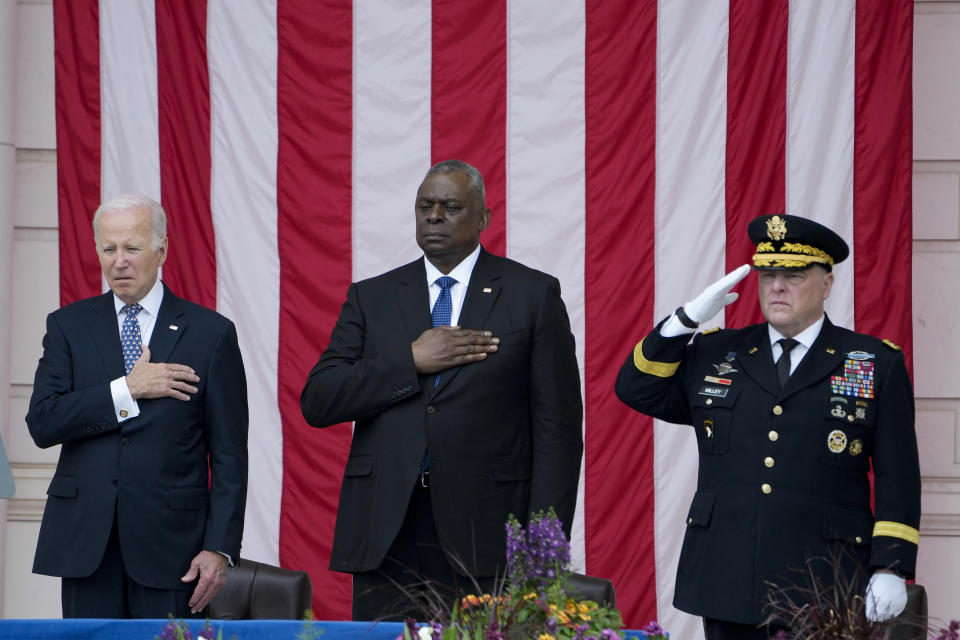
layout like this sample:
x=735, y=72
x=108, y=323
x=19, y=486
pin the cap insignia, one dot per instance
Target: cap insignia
x=776, y=228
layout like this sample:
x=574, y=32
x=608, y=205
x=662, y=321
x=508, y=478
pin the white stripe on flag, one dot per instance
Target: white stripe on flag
x=391, y=130
x=545, y=161
x=820, y=90
x=690, y=238
x=242, y=52
x=129, y=130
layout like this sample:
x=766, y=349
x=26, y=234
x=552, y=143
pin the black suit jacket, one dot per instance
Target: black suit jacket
x=152, y=469
x=784, y=472
x=504, y=434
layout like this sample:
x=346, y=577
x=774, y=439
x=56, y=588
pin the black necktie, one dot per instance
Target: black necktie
x=783, y=364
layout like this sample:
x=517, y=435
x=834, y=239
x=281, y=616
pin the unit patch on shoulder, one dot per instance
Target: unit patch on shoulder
x=891, y=345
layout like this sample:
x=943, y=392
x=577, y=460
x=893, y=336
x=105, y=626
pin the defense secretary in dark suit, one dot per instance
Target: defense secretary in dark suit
x=131, y=523
x=788, y=416
x=456, y=426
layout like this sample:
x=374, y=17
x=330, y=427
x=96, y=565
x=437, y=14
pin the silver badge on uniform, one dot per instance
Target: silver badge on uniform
x=837, y=441
x=724, y=368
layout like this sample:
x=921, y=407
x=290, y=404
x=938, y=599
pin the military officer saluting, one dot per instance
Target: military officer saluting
x=788, y=416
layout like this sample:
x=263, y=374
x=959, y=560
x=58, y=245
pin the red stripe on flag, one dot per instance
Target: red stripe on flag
x=76, y=52
x=183, y=88
x=621, y=53
x=314, y=110
x=469, y=98
x=756, y=133
x=882, y=170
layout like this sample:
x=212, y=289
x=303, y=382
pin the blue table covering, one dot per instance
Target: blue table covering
x=81, y=629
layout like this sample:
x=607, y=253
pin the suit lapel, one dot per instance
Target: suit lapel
x=482, y=292
x=756, y=359
x=413, y=299
x=823, y=357
x=106, y=335
x=170, y=325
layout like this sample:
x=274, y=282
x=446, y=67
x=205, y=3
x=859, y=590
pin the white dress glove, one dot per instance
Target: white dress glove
x=706, y=305
x=886, y=596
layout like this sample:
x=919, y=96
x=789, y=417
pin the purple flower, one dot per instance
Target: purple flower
x=653, y=629
x=538, y=553
x=169, y=631
x=610, y=634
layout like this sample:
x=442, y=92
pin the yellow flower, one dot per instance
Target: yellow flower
x=545, y=636
x=530, y=596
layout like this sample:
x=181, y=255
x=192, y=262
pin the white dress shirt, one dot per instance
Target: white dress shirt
x=461, y=273
x=805, y=340
x=124, y=406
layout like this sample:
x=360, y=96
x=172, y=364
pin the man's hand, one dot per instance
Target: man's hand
x=715, y=297
x=886, y=596
x=212, y=569
x=706, y=305
x=160, y=379
x=441, y=348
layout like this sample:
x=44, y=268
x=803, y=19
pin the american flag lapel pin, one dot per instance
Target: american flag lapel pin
x=174, y=327
x=487, y=290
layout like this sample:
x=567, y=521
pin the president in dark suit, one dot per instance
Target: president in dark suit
x=145, y=509
x=460, y=372
x=789, y=416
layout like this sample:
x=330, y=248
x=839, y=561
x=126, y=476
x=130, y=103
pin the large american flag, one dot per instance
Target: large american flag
x=625, y=145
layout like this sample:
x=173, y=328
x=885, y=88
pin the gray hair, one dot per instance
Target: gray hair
x=474, y=179
x=130, y=202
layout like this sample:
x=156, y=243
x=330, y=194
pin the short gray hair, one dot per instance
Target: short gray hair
x=474, y=178
x=130, y=202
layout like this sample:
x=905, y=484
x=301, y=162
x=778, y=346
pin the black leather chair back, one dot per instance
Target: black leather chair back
x=258, y=591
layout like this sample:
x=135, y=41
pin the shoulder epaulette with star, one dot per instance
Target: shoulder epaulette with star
x=709, y=331
x=891, y=345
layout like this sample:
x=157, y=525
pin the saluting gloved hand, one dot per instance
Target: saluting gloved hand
x=706, y=305
x=886, y=596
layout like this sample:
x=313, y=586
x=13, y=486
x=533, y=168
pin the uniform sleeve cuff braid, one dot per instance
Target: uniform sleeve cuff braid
x=896, y=530
x=659, y=369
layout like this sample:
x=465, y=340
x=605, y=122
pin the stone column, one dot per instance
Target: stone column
x=8, y=44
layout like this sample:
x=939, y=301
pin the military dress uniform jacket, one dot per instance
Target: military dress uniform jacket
x=783, y=474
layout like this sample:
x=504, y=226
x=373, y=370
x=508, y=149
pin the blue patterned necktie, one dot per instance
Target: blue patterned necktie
x=130, y=336
x=441, y=314
x=442, y=308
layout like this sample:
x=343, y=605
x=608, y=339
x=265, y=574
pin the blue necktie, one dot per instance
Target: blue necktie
x=130, y=336
x=442, y=308
x=441, y=314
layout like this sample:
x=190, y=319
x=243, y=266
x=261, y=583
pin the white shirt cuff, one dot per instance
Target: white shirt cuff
x=124, y=406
